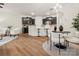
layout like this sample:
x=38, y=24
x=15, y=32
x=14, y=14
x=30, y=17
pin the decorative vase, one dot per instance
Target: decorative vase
x=61, y=28
x=55, y=28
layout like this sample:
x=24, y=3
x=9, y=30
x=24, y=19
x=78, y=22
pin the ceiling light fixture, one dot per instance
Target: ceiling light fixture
x=1, y=5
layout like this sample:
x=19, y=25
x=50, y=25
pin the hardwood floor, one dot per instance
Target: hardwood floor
x=24, y=45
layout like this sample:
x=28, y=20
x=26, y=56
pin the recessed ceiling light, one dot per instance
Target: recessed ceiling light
x=32, y=13
x=57, y=6
x=1, y=5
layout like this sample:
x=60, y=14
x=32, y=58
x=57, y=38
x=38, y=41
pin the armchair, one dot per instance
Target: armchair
x=2, y=32
x=15, y=32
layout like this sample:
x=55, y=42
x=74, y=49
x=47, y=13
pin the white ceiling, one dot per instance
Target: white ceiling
x=28, y=8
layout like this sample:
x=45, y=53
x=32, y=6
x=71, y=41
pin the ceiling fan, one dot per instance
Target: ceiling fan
x=1, y=5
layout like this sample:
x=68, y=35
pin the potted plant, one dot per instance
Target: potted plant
x=75, y=22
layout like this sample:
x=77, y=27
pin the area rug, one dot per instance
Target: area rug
x=7, y=39
x=72, y=50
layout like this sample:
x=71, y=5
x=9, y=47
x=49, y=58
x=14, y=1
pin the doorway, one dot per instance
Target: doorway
x=25, y=29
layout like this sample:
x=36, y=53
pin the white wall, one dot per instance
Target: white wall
x=14, y=19
x=69, y=12
x=38, y=21
x=9, y=18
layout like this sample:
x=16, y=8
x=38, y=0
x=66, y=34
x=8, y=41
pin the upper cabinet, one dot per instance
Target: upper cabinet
x=28, y=21
x=50, y=20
